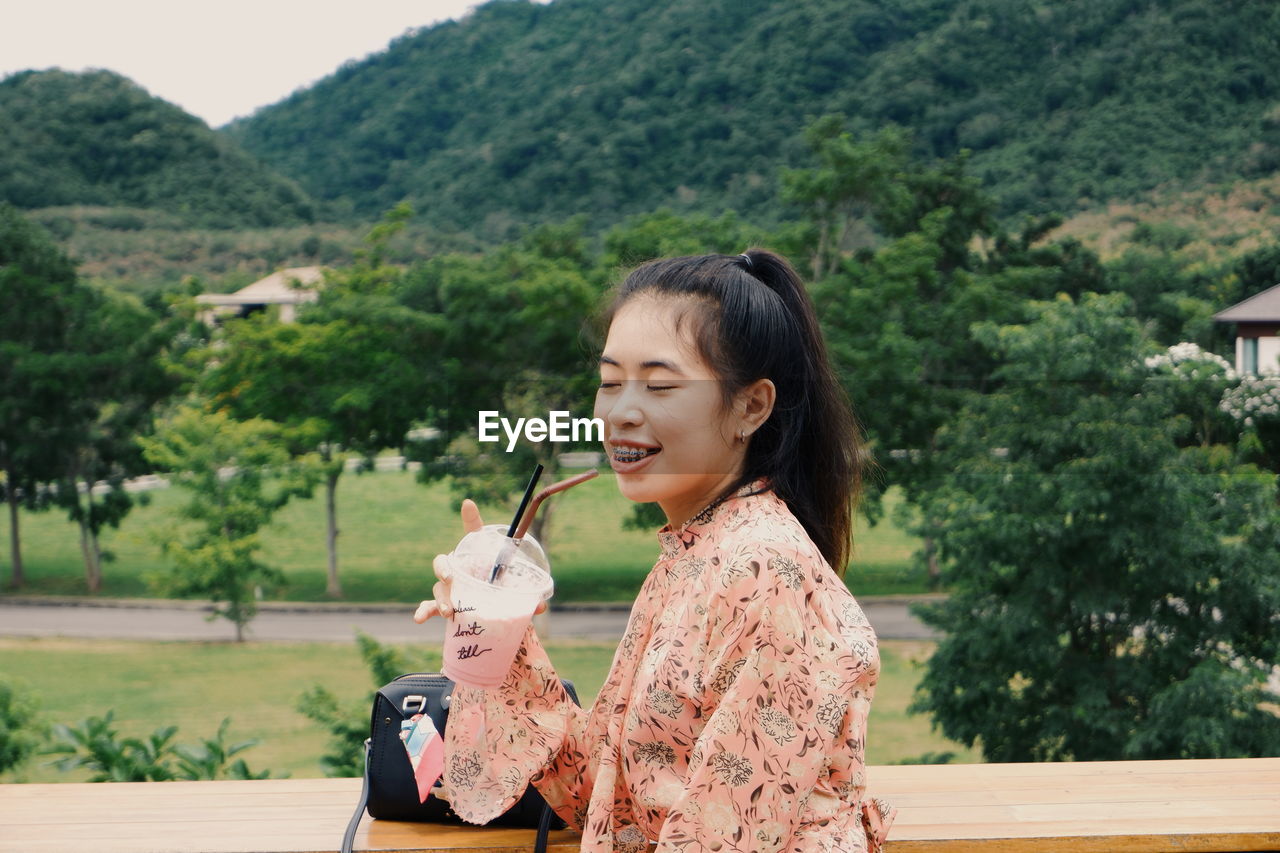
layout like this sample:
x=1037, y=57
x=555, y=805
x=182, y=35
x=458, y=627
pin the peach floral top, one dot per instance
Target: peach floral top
x=734, y=717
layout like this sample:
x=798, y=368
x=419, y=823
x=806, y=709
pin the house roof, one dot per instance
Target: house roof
x=275, y=289
x=1262, y=307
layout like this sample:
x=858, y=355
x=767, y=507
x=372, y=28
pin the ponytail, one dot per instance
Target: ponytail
x=756, y=321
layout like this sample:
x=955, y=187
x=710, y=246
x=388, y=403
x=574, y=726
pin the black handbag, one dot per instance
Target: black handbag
x=390, y=792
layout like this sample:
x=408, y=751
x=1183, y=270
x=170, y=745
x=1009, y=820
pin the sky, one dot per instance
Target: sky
x=217, y=59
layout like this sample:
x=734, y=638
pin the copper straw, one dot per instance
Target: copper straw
x=546, y=493
x=507, y=553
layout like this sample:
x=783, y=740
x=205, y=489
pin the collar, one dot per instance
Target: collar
x=675, y=542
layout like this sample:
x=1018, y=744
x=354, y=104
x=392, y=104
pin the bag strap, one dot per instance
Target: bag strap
x=349, y=838
x=544, y=829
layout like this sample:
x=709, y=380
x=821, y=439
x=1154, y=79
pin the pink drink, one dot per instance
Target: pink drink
x=489, y=619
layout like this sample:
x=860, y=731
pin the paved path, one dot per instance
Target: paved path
x=160, y=620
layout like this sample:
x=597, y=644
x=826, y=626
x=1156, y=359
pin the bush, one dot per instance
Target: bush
x=21, y=729
x=348, y=723
x=94, y=744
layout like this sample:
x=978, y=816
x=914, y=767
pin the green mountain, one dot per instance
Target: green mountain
x=524, y=112
x=98, y=139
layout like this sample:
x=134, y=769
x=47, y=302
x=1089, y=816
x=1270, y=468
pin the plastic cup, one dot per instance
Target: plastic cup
x=489, y=618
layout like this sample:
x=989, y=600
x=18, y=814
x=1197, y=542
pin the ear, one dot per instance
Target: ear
x=755, y=403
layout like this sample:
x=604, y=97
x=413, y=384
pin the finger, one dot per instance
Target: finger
x=444, y=606
x=425, y=611
x=471, y=521
x=441, y=566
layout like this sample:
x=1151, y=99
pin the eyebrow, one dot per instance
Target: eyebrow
x=645, y=365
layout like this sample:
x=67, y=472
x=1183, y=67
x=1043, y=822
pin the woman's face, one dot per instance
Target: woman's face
x=669, y=438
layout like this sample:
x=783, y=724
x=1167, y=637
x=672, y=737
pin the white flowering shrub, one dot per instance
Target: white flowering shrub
x=1188, y=361
x=1195, y=381
x=1253, y=399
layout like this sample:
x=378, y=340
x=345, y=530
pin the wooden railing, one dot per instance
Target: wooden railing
x=1203, y=805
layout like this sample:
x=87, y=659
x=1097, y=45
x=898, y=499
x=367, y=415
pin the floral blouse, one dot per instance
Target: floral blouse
x=734, y=717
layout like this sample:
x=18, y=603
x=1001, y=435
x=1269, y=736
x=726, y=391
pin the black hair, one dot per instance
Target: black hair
x=754, y=320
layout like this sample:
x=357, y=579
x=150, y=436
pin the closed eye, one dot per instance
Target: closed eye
x=604, y=385
x=661, y=387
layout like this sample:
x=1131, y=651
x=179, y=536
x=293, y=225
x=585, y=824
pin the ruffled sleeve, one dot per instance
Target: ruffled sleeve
x=877, y=818
x=775, y=766
x=497, y=741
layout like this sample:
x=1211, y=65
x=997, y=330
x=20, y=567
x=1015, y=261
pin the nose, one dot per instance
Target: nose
x=621, y=407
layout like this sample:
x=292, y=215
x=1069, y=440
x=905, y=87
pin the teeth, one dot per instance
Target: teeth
x=631, y=454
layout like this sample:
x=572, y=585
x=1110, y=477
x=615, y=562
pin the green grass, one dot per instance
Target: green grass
x=196, y=685
x=882, y=563
x=391, y=526
x=893, y=735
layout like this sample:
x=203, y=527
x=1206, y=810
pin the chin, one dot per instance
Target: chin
x=639, y=488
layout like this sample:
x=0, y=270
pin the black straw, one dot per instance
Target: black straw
x=509, y=551
x=524, y=502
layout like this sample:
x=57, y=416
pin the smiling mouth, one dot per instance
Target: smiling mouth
x=633, y=454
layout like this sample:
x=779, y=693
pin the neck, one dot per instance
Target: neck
x=680, y=512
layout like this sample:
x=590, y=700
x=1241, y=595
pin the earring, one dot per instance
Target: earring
x=742, y=438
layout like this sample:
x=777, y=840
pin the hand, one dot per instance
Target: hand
x=442, y=604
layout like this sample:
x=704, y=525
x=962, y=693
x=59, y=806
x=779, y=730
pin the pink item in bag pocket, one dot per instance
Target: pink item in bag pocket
x=426, y=752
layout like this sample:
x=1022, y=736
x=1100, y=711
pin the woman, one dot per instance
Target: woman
x=734, y=715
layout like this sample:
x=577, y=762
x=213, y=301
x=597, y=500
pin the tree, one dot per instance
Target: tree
x=350, y=378
x=1254, y=273
x=853, y=179
x=1197, y=385
x=22, y=728
x=1113, y=584
x=897, y=316
x=100, y=451
x=82, y=376
x=663, y=234
x=238, y=474
x=43, y=368
x=1255, y=404
x=514, y=343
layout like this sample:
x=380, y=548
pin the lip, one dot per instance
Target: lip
x=631, y=467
